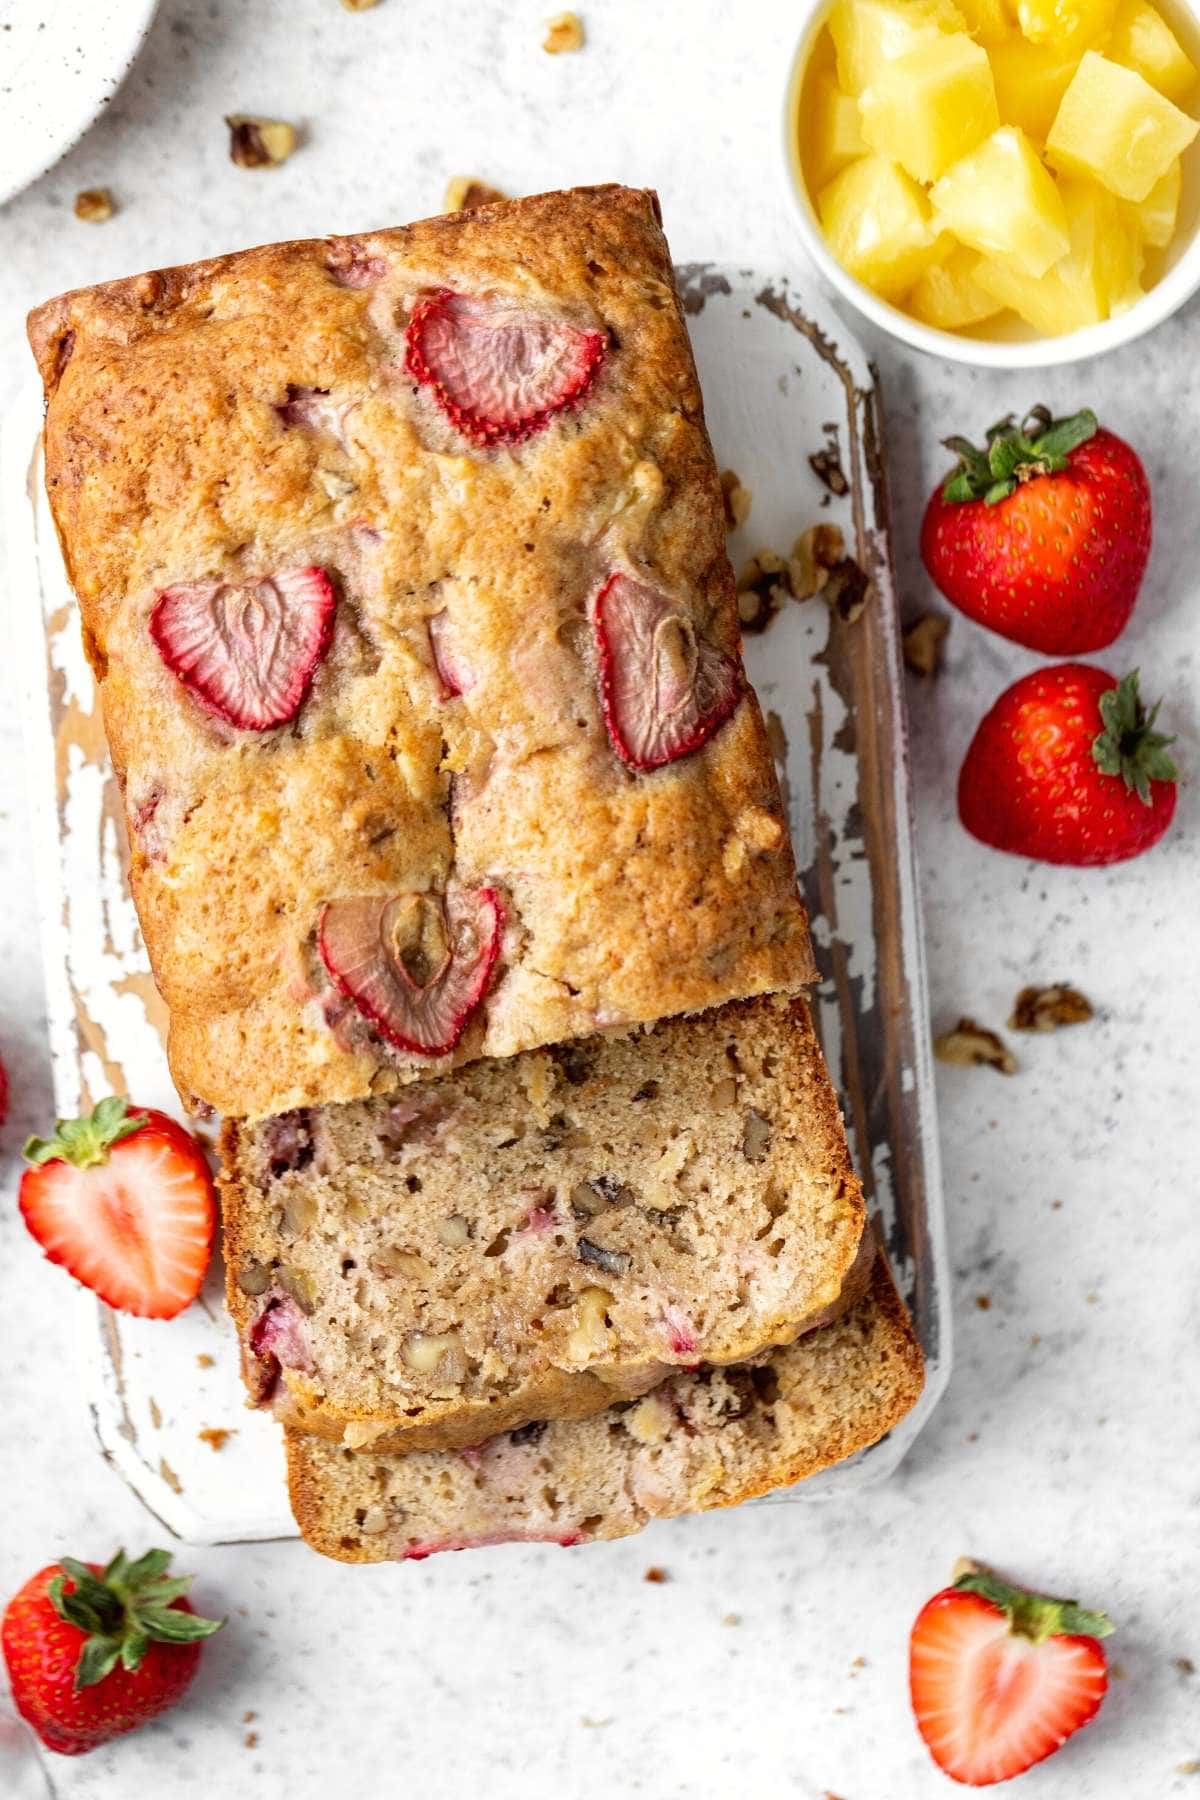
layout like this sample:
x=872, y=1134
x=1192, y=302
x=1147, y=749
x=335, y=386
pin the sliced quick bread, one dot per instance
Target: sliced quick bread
x=529, y=1239
x=706, y=1439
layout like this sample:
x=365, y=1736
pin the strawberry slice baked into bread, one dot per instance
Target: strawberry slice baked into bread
x=402, y=568
x=712, y=1438
x=530, y=1239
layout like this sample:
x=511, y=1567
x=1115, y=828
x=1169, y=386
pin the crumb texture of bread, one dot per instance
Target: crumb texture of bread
x=534, y=1238
x=708, y=1439
x=254, y=419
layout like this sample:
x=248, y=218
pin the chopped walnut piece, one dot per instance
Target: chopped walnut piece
x=216, y=1436
x=756, y=1136
x=970, y=1043
x=849, y=590
x=763, y=587
x=814, y=553
x=259, y=143
x=563, y=32
x=923, y=642
x=826, y=465
x=94, y=206
x=465, y=192
x=737, y=500
x=1045, y=1009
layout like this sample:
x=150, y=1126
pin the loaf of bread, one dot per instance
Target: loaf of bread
x=702, y=1440
x=401, y=563
x=531, y=1238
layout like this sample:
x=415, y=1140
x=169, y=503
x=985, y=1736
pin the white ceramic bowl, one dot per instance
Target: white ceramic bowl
x=1175, y=271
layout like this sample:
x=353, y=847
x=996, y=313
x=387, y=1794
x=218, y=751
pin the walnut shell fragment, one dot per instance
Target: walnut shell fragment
x=970, y=1044
x=922, y=643
x=259, y=143
x=1046, y=1008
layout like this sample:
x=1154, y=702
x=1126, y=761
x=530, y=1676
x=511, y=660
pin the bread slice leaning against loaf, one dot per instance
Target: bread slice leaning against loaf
x=711, y=1438
x=534, y=1238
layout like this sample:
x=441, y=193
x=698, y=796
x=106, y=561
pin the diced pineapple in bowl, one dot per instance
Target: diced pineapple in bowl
x=1006, y=182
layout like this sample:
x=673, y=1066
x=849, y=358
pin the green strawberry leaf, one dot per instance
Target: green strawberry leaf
x=97, y=1659
x=1129, y=746
x=1038, y=445
x=86, y=1142
x=123, y=1611
x=1036, y=1616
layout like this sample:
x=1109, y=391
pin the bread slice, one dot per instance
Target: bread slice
x=533, y=1238
x=707, y=1439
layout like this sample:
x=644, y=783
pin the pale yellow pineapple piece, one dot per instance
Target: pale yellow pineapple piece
x=949, y=294
x=1001, y=200
x=927, y=108
x=1113, y=126
x=988, y=21
x=869, y=33
x=832, y=137
x=1097, y=278
x=876, y=219
x=1158, y=214
x=1141, y=39
x=1031, y=80
x=1067, y=24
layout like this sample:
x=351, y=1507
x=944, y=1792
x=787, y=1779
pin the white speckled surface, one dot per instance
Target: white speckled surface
x=1067, y=1448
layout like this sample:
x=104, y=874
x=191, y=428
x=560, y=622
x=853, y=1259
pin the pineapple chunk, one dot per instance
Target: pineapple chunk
x=1099, y=275
x=832, y=137
x=988, y=21
x=869, y=33
x=1031, y=80
x=1141, y=39
x=927, y=108
x=1067, y=24
x=949, y=296
x=1113, y=126
x=1158, y=214
x=877, y=222
x=1000, y=200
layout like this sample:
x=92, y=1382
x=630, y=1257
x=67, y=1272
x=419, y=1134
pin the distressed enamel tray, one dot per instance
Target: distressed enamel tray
x=783, y=383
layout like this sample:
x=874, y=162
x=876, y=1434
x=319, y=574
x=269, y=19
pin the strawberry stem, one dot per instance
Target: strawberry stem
x=86, y=1142
x=123, y=1610
x=1038, y=445
x=1035, y=1616
x=1129, y=746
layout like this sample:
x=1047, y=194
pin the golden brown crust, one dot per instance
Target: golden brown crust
x=628, y=897
x=837, y=1391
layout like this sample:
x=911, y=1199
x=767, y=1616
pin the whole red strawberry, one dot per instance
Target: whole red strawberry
x=1001, y=1678
x=1068, y=768
x=125, y=1203
x=1042, y=537
x=93, y=1652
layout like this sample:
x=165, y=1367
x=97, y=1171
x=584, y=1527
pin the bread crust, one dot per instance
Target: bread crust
x=170, y=459
x=836, y=1392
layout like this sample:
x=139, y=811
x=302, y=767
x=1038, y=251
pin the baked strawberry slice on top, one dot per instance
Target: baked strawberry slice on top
x=664, y=690
x=416, y=965
x=247, y=651
x=497, y=371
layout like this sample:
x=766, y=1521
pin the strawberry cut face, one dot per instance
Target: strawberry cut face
x=664, y=690
x=416, y=965
x=247, y=651
x=498, y=373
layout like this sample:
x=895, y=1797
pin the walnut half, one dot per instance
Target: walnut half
x=1046, y=1008
x=970, y=1044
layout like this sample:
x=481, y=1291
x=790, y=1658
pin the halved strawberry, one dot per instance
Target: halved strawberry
x=664, y=690
x=498, y=373
x=454, y=673
x=416, y=965
x=125, y=1203
x=247, y=651
x=1000, y=1678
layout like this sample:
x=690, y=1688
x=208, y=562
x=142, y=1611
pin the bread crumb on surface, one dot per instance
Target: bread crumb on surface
x=204, y=1360
x=983, y=1302
x=731, y=1618
x=94, y=205
x=564, y=32
x=250, y=1740
x=465, y=192
x=656, y=1575
x=216, y=1436
x=249, y=1717
x=737, y=500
